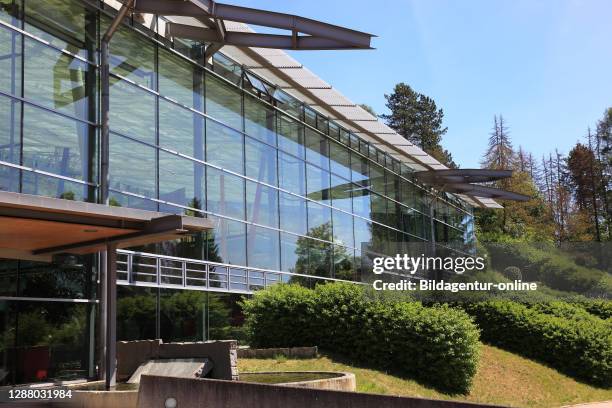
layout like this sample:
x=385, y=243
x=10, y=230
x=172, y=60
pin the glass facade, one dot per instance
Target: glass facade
x=289, y=190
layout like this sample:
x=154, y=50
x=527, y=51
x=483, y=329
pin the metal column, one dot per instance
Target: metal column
x=108, y=259
x=110, y=357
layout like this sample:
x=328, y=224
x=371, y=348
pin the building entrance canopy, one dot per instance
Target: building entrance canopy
x=36, y=228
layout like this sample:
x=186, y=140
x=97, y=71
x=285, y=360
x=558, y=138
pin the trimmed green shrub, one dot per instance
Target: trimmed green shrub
x=598, y=307
x=436, y=345
x=579, y=347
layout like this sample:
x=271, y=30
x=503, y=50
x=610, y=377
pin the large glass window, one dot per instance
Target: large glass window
x=260, y=161
x=292, y=213
x=317, y=149
x=132, y=111
x=262, y=204
x=343, y=228
x=58, y=145
x=259, y=120
x=59, y=81
x=340, y=160
x=132, y=166
x=10, y=144
x=224, y=193
x=180, y=80
x=67, y=24
x=291, y=136
x=136, y=313
x=132, y=56
x=359, y=169
x=294, y=257
x=319, y=221
x=227, y=242
x=292, y=174
x=181, y=130
x=182, y=315
x=224, y=147
x=317, y=183
x=181, y=181
x=10, y=61
x=224, y=102
x=263, y=248
x=341, y=193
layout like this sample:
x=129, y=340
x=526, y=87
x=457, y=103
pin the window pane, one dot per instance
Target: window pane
x=343, y=228
x=361, y=202
x=132, y=166
x=224, y=147
x=262, y=204
x=132, y=55
x=363, y=232
x=320, y=258
x=379, y=208
x=344, y=267
x=377, y=178
x=10, y=116
x=227, y=242
x=223, y=102
x=318, y=184
x=319, y=221
x=58, y=145
x=317, y=149
x=10, y=63
x=59, y=81
x=340, y=160
x=293, y=213
x=9, y=179
x=181, y=315
x=291, y=136
x=292, y=174
x=341, y=193
x=181, y=181
x=67, y=24
x=260, y=161
x=37, y=184
x=224, y=193
x=181, y=130
x=136, y=313
x=259, y=120
x=263, y=248
x=181, y=80
x=132, y=111
x=292, y=254
x=359, y=167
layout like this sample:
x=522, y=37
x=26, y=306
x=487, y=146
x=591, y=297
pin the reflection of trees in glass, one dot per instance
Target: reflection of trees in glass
x=136, y=316
x=317, y=257
x=182, y=315
x=219, y=317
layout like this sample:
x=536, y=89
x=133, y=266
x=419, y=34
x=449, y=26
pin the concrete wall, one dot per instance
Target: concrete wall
x=205, y=393
x=130, y=354
x=293, y=352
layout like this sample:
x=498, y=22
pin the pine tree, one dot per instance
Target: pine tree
x=417, y=118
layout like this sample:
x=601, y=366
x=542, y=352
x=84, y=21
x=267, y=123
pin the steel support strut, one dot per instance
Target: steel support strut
x=108, y=264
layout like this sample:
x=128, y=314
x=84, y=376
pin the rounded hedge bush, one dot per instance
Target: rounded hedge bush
x=555, y=334
x=513, y=273
x=438, y=345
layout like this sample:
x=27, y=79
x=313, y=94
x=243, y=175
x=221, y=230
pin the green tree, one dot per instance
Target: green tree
x=417, y=118
x=368, y=109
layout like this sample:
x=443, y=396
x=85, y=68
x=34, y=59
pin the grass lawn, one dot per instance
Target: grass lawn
x=503, y=378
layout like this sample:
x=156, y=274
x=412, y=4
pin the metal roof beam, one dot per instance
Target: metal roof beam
x=259, y=40
x=321, y=36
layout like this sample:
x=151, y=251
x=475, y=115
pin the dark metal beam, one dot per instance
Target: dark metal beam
x=241, y=39
x=349, y=39
x=110, y=360
x=485, y=192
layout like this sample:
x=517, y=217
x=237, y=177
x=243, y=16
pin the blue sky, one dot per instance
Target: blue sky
x=546, y=65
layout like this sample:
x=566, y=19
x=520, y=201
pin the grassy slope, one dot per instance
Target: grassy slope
x=503, y=378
